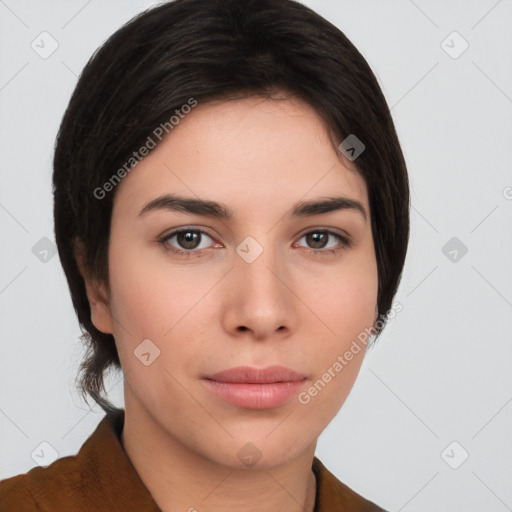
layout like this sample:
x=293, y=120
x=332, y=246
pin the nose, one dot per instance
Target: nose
x=260, y=303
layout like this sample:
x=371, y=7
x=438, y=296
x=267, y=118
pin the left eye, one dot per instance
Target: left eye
x=318, y=241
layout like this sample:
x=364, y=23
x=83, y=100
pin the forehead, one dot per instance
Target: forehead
x=246, y=153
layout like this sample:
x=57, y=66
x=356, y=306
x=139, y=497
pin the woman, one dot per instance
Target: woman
x=232, y=215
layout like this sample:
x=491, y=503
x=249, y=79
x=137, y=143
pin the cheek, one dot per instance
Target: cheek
x=346, y=307
x=151, y=300
x=349, y=313
x=150, y=297
x=344, y=301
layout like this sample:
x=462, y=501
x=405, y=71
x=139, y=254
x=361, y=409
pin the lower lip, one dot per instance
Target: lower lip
x=255, y=396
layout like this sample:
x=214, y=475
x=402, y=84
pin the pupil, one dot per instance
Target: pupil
x=317, y=237
x=188, y=239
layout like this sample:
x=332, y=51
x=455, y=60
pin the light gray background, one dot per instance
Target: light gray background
x=441, y=372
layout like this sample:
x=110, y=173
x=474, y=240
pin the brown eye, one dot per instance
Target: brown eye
x=186, y=241
x=317, y=240
x=325, y=241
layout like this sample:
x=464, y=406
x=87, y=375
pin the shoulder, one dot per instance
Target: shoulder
x=32, y=490
x=70, y=482
x=15, y=495
x=331, y=494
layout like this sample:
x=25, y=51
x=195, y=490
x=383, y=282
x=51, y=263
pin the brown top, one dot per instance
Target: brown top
x=102, y=478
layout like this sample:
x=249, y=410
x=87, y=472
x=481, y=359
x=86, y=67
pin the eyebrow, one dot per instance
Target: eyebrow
x=172, y=202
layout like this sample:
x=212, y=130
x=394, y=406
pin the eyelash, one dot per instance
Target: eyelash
x=345, y=243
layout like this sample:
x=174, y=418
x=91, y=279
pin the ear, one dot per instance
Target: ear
x=97, y=295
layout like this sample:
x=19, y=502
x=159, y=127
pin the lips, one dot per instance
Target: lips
x=253, y=388
x=248, y=375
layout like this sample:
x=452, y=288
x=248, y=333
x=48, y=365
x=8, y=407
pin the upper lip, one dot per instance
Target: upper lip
x=248, y=375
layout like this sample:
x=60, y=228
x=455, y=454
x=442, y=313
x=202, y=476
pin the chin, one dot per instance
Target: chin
x=261, y=453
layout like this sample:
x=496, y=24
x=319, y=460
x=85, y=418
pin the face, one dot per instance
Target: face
x=256, y=280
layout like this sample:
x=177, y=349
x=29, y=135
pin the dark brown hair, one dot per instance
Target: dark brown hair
x=210, y=50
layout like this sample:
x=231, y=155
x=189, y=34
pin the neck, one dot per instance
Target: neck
x=180, y=478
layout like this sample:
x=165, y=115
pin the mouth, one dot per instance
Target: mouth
x=253, y=388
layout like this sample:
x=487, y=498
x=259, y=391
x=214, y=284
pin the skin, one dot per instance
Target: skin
x=214, y=311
